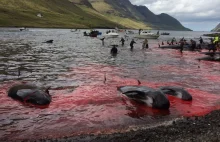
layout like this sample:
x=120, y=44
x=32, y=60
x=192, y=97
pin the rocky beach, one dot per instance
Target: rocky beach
x=187, y=129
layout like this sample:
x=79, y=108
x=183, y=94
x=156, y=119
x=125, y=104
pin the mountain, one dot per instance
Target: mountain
x=217, y=28
x=55, y=13
x=83, y=14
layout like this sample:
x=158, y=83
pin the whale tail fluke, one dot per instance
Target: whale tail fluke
x=47, y=90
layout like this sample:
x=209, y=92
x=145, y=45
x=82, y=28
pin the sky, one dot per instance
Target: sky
x=198, y=15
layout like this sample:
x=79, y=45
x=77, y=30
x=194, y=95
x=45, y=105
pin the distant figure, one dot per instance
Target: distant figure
x=158, y=32
x=145, y=44
x=162, y=43
x=182, y=39
x=172, y=41
x=122, y=41
x=216, y=41
x=201, y=40
x=102, y=39
x=114, y=50
x=212, y=45
x=193, y=43
x=132, y=44
x=140, y=31
x=181, y=46
x=85, y=34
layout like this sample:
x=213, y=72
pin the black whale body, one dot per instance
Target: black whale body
x=48, y=41
x=30, y=94
x=211, y=56
x=185, y=47
x=153, y=98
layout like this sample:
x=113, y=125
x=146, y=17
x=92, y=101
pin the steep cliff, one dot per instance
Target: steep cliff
x=217, y=28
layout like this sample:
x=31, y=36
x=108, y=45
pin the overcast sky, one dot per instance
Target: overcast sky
x=198, y=15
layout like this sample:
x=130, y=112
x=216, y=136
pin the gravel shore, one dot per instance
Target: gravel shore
x=198, y=129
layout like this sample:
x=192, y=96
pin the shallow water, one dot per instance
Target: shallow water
x=82, y=103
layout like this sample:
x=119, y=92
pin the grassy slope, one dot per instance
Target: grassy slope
x=113, y=15
x=56, y=13
x=61, y=14
x=69, y=14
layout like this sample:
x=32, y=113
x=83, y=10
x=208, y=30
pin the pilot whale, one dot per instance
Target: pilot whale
x=177, y=92
x=30, y=94
x=153, y=98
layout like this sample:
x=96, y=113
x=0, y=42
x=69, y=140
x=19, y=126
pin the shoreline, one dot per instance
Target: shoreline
x=81, y=28
x=212, y=34
x=204, y=128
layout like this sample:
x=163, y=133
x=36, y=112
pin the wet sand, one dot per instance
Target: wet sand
x=206, y=128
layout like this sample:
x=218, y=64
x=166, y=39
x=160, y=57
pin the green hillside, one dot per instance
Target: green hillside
x=82, y=14
x=56, y=13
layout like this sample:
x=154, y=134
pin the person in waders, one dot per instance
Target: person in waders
x=122, y=41
x=145, y=44
x=132, y=44
x=114, y=50
x=181, y=46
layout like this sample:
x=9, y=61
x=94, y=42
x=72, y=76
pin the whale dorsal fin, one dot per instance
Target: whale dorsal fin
x=47, y=90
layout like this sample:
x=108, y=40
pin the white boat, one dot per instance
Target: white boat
x=111, y=35
x=23, y=29
x=147, y=35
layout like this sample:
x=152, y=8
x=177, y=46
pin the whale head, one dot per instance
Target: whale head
x=38, y=97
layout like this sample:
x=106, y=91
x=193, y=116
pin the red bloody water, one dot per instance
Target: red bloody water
x=84, y=102
x=95, y=107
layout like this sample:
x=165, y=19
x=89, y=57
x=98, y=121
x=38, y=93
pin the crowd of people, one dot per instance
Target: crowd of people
x=213, y=46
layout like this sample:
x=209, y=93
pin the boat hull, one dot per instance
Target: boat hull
x=147, y=36
x=111, y=36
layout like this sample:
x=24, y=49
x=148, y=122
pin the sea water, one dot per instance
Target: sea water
x=84, y=78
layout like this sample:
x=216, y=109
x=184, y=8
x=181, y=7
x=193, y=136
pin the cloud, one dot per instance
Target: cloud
x=185, y=11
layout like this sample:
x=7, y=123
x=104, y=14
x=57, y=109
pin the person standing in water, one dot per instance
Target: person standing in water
x=102, y=39
x=122, y=41
x=158, y=32
x=181, y=46
x=132, y=44
x=139, y=31
x=145, y=44
x=193, y=44
x=114, y=50
x=172, y=41
x=201, y=40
